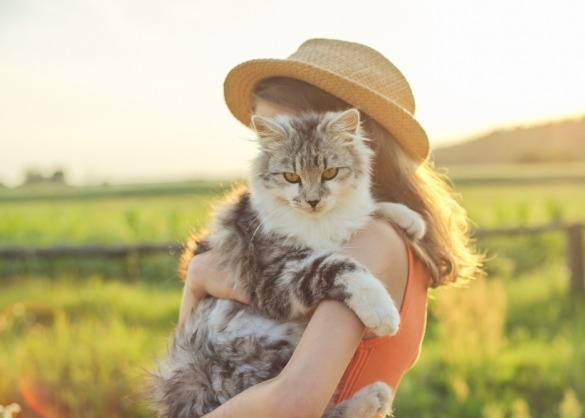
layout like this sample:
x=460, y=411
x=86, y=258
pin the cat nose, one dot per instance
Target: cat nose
x=313, y=203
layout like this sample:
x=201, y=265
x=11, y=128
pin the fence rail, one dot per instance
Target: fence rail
x=573, y=233
x=574, y=247
x=87, y=251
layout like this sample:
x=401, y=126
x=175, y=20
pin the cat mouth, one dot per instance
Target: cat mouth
x=314, y=211
x=310, y=210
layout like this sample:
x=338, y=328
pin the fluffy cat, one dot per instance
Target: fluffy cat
x=282, y=241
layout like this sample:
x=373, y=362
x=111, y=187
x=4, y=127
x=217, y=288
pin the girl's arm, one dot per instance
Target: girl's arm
x=307, y=383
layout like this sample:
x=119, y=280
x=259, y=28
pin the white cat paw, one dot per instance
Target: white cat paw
x=409, y=220
x=371, y=401
x=371, y=303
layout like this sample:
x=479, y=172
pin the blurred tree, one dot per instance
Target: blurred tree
x=34, y=176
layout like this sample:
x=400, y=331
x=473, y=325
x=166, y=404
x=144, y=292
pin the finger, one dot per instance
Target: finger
x=241, y=297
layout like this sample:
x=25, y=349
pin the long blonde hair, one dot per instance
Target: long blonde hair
x=446, y=248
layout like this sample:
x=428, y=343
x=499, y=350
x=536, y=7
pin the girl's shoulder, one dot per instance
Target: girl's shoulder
x=381, y=248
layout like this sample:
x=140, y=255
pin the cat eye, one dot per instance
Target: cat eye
x=292, y=177
x=329, y=173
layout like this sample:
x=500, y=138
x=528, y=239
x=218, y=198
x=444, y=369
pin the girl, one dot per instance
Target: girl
x=337, y=356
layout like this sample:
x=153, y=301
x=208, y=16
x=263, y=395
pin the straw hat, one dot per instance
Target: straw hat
x=352, y=72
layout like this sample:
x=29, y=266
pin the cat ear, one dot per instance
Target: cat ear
x=345, y=125
x=269, y=132
x=266, y=126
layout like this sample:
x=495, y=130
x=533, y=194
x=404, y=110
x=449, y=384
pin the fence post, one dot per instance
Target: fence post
x=575, y=258
x=132, y=265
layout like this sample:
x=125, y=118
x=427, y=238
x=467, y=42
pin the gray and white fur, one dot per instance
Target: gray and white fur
x=282, y=242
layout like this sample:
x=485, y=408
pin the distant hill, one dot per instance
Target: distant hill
x=557, y=142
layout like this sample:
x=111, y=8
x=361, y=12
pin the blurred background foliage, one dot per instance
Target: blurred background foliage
x=77, y=336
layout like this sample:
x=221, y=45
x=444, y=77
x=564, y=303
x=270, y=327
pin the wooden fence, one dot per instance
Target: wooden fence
x=573, y=233
x=574, y=247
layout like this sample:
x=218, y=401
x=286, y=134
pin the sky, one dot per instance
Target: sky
x=126, y=91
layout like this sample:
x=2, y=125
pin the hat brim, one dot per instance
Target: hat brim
x=240, y=83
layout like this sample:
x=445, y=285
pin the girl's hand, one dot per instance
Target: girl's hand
x=206, y=278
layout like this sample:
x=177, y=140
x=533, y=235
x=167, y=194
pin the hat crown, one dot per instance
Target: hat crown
x=354, y=73
x=360, y=64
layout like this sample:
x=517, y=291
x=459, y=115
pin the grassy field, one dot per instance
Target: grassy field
x=77, y=336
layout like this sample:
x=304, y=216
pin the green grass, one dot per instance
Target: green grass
x=102, y=220
x=519, y=174
x=60, y=191
x=82, y=348
x=76, y=336
x=493, y=206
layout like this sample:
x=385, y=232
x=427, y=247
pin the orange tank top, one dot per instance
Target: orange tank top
x=387, y=359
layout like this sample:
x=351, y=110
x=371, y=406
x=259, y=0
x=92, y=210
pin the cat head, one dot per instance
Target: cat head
x=310, y=163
